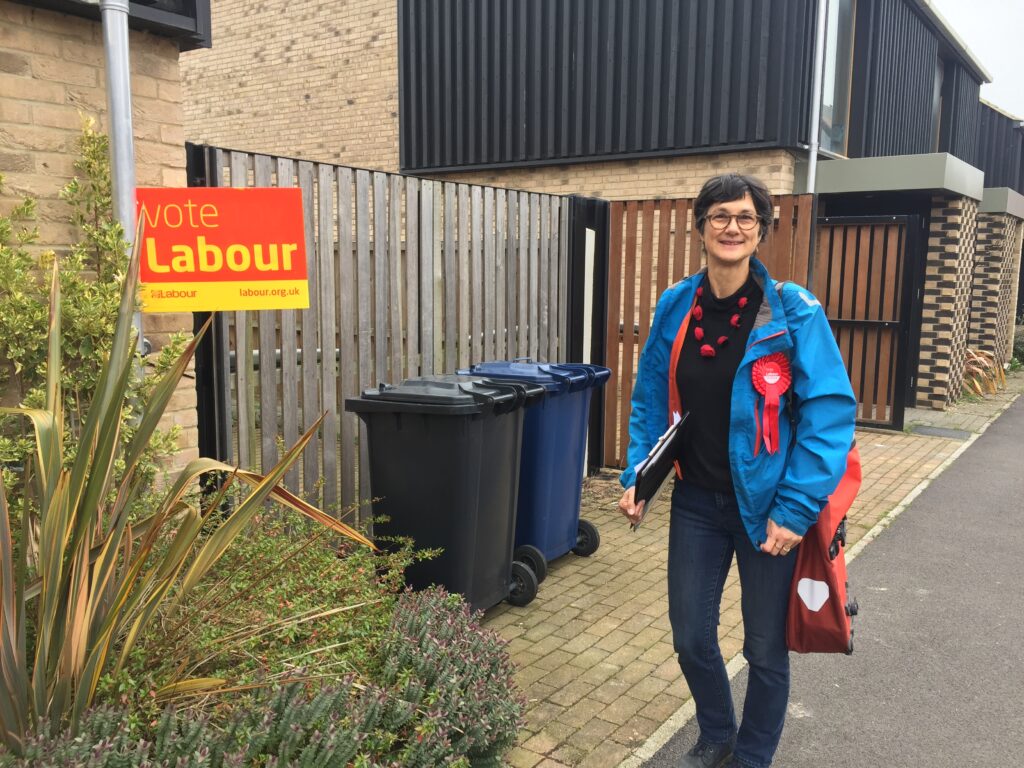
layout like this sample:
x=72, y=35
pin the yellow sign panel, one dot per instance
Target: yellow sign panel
x=185, y=297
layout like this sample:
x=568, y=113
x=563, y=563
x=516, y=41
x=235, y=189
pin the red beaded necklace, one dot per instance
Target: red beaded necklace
x=708, y=351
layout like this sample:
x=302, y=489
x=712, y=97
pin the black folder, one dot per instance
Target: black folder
x=653, y=472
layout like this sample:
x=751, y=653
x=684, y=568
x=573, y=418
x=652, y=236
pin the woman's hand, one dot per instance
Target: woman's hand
x=632, y=511
x=780, y=540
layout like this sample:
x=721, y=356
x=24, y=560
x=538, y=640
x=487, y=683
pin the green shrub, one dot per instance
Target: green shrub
x=334, y=728
x=266, y=608
x=1018, y=343
x=445, y=698
x=437, y=647
x=91, y=271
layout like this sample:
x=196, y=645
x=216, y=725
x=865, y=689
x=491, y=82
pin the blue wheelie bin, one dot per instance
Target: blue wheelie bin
x=548, y=523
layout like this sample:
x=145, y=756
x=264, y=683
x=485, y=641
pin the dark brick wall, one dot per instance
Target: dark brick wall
x=946, y=301
x=993, y=294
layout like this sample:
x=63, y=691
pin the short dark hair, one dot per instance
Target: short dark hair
x=728, y=187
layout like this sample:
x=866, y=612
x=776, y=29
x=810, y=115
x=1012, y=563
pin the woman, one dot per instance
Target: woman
x=727, y=346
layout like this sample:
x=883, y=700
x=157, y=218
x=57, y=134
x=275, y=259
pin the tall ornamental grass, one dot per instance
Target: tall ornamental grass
x=88, y=572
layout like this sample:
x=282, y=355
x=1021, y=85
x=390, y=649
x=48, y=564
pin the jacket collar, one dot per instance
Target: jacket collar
x=770, y=332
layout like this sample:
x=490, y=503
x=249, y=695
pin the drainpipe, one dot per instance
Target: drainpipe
x=819, y=66
x=815, y=132
x=114, y=14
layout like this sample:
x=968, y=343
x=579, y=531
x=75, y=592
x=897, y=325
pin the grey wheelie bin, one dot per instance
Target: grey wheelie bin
x=444, y=466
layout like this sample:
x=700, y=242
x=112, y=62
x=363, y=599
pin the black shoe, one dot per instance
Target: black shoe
x=704, y=755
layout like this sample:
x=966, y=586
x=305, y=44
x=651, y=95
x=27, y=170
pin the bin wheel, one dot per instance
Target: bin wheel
x=524, y=584
x=534, y=558
x=587, y=539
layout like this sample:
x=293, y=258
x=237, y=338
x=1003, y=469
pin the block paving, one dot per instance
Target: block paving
x=594, y=649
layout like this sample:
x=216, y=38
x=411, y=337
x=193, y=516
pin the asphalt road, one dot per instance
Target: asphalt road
x=937, y=674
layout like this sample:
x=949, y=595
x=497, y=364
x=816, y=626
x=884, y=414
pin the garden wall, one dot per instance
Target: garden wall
x=52, y=78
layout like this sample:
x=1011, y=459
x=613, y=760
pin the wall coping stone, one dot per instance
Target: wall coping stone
x=1002, y=200
x=935, y=172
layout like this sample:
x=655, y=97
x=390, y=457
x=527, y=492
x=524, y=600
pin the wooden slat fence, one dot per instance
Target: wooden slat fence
x=652, y=244
x=862, y=280
x=407, y=277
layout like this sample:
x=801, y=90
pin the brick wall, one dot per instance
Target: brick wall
x=52, y=76
x=1009, y=282
x=1013, y=289
x=642, y=179
x=313, y=80
x=996, y=270
x=946, y=301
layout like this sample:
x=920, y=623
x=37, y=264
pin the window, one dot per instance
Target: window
x=940, y=117
x=836, y=77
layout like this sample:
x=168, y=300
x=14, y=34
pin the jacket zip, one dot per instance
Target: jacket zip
x=766, y=338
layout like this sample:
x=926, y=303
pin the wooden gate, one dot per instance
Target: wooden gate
x=407, y=277
x=653, y=243
x=864, y=278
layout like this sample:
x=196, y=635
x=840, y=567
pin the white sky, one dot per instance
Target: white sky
x=991, y=30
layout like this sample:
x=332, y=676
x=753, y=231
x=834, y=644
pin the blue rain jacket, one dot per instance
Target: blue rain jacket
x=816, y=414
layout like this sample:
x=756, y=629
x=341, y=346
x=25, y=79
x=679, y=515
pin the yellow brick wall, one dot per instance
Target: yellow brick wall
x=52, y=76
x=642, y=179
x=315, y=80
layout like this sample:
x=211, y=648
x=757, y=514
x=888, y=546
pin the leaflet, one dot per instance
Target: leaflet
x=653, y=472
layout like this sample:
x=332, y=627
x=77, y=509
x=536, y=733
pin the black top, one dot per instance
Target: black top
x=705, y=384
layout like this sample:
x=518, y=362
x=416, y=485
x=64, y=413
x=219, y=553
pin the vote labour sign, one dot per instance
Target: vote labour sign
x=220, y=248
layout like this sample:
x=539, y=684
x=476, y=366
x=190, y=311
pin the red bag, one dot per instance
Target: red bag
x=820, y=610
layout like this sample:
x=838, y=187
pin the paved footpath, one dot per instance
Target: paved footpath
x=937, y=674
x=594, y=649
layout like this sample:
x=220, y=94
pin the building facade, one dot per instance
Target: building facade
x=625, y=100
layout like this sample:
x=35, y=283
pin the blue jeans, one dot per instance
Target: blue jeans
x=704, y=532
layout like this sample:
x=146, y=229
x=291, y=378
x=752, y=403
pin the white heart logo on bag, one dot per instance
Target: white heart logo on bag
x=814, y=593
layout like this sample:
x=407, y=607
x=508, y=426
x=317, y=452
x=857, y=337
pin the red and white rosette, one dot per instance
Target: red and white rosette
x=772, y=376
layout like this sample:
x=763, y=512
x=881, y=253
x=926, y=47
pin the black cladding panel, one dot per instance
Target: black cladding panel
x=1001, y=150
x=961, y=114
x=895, y=60
x=518, y=82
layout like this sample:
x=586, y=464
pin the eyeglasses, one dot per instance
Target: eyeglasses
x=745, y=221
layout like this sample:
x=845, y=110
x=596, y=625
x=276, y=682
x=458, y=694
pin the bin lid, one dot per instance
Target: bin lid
x=534, y=373
x=528, y=392
x=555, y=377
x=442, y=395
x=598, y=374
